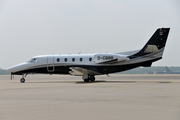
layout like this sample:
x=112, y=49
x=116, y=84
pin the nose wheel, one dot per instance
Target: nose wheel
x=22, y=80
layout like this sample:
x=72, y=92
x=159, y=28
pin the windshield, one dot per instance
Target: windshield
x=32, y=60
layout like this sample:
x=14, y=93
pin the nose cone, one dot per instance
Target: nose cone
x=15, y=68
x=11, y=69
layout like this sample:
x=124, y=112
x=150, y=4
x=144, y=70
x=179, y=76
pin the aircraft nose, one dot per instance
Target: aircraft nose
x=17, y=68
x=11, y=69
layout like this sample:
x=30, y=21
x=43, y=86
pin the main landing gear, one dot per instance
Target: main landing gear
x=22, y=80
x=90, y=78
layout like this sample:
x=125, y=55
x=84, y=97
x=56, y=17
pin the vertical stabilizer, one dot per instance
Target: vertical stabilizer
x=167, y=70
x=155, y=44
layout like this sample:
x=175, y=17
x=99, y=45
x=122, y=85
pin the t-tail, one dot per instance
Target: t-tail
x=155, y=46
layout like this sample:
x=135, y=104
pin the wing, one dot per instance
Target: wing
x=79, y=71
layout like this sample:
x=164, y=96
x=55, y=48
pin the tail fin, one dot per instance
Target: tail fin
x=167, y=69
x=155, y=44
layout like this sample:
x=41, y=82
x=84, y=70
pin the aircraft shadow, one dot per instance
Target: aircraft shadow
x=100, y=81
x=103, y=81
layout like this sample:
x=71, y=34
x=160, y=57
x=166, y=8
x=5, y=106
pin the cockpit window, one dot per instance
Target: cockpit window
x=33, y=60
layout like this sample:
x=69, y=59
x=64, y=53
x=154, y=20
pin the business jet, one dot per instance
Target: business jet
x=90, y=65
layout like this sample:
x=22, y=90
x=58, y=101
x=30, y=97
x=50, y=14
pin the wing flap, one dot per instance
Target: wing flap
x=79, y=71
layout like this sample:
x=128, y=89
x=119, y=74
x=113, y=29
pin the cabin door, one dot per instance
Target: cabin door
x=50, y=64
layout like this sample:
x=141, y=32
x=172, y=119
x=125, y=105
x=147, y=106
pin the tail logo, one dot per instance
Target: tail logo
x=160, y=32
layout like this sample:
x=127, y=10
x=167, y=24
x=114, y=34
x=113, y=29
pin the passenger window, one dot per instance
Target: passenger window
x=65, y=59
x=58, y=59
x=73, y=59
x=90, y=59
x=81, y=59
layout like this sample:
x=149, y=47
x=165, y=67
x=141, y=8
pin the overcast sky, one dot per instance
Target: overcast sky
x=37, y=27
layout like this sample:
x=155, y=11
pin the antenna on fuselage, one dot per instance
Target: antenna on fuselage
x=79, y=53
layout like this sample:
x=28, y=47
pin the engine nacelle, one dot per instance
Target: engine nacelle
x=109, y=57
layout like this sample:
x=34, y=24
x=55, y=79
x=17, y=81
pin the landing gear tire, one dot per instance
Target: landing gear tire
x=22, y=80
x=86, y=80
x=92, y=78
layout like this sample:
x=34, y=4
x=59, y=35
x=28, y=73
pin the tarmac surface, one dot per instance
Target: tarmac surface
x=59, y=97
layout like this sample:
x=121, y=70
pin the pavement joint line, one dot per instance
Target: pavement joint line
x=159, y=88
x=112, y=86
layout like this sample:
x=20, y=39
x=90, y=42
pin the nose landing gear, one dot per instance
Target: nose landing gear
x=22, y=80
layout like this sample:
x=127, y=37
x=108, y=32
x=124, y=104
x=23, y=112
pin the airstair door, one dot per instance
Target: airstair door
x=50, y=64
